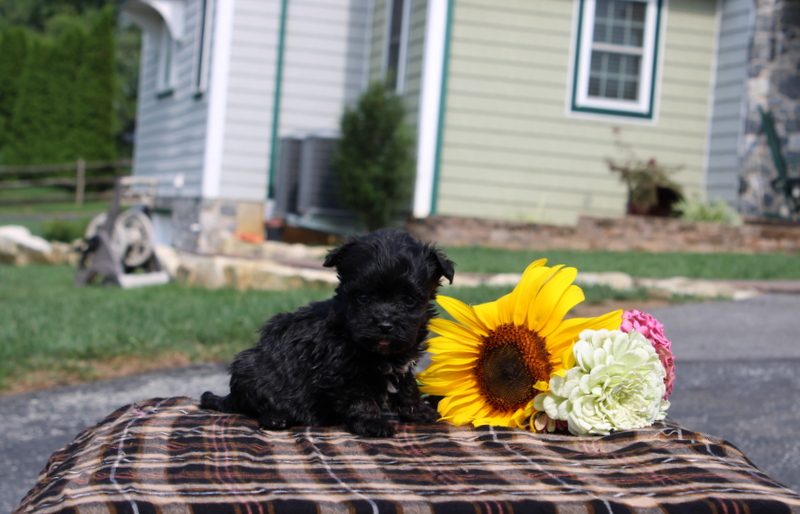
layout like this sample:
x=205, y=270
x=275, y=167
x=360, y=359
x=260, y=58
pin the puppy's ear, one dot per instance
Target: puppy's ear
x=335, y=256
x=444, y=266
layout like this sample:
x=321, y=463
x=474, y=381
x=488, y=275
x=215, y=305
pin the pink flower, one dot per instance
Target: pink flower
x=649, y=327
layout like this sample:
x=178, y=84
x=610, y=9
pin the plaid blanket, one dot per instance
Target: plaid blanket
x=169, y=456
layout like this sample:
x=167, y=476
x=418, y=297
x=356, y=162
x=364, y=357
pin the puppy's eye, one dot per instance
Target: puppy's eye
x=362, y=298
x=410, y=301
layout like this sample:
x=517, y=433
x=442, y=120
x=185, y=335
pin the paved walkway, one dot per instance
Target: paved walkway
x=738, y=369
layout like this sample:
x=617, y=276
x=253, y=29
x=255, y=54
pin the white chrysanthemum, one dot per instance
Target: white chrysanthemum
x=617, y=383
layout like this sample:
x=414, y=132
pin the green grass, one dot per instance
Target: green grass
x=65, y=204
x=637, y=264
x=48, y=324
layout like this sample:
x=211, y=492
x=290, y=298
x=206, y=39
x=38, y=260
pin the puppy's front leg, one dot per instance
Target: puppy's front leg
x=363, y=417
x=408, y=404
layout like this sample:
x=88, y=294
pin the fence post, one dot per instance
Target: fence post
x=80, y=183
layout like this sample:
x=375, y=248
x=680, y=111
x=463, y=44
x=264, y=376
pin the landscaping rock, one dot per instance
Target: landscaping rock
x=19, y=247
x=243, y=274
x=664, y=288
x=614, y=280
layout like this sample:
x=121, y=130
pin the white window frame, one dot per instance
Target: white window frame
x=402, y=53
x=203, y=46
x=644, y=106
x=167, y=51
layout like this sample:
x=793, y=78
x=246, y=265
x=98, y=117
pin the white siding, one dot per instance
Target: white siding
x=323, y=69
x=250, y=100
x=726, y=120
x=324, y=62
x=170, y=131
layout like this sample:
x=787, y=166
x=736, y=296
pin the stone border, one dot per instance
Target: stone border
x=631, y=233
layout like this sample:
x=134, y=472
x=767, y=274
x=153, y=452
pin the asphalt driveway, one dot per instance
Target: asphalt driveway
x=737, y=367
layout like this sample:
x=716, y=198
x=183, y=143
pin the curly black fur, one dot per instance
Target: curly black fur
x=336, y=362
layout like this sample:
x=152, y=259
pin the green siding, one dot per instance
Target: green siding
x=414, y=60
x=510, y=149
x=376, y=57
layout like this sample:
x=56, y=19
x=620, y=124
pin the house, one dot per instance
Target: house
x=516, y=104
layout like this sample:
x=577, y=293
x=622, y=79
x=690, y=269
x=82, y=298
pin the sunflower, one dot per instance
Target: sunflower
x=492, y=362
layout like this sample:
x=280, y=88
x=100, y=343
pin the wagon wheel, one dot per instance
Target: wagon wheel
x=132, y=239
x=139, y=236
x=118, y=242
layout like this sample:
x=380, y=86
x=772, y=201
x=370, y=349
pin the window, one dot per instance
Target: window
x=166, y=67
x=397, y=41
x=616, y=57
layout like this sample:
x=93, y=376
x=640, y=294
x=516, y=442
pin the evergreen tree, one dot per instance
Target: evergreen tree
x=14, y=51
x=94, y=117
x=65, y=60
x=26, y=143
x=44, y=115
x=374, y=163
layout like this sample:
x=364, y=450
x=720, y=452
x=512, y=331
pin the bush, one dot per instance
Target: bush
x=374, y=163
x=64, y=102
x=716, y=212
x=65, y=231
x=650, y=189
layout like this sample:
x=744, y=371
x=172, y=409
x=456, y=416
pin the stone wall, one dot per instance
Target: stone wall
x=773, y=82
x=632, y=233
x=197, y=225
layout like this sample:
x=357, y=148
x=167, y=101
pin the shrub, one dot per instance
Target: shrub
x=374, y=163
x=716, y=212
x=650, y=189
x=66, y=231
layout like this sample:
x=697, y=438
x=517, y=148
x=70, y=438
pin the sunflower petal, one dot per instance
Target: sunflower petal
x=446, y=344
x=463, y=313
x=454, y=359
x=571, y=297
x=451, y=404
x=489, y=314
x=527, y=290
x=448, y=367
x=549, y=296
x=569, y=329
x=447, y=328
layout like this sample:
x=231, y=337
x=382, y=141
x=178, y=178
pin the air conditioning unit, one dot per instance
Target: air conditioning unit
x=288, y=176
x=306, y=183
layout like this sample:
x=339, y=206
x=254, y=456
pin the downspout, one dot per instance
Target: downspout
x=433, y=97
x=442, y=109
x=276, y=102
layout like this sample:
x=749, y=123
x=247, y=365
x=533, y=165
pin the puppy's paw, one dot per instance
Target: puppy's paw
x=274, y=421
x=371, y=428
x=420, y=413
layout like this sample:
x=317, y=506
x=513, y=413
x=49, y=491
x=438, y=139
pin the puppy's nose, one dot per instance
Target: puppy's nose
x=385, y=327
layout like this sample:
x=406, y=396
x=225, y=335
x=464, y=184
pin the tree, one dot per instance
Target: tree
x=92, y=136
x=43, y=121
x=14, y=51
x=374, y=163
x=26, y=143
x=55, y=23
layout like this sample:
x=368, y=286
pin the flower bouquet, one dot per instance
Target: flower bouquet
x=517, y=362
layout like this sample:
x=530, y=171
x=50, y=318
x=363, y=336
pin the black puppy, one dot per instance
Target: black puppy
x=338, y=361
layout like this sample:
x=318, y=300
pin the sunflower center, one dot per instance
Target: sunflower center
x=512, y=360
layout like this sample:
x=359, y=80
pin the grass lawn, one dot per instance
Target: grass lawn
x=638, y=264
x=54, y=332
x=64, y=205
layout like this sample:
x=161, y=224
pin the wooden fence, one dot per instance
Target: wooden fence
x=79, y=181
